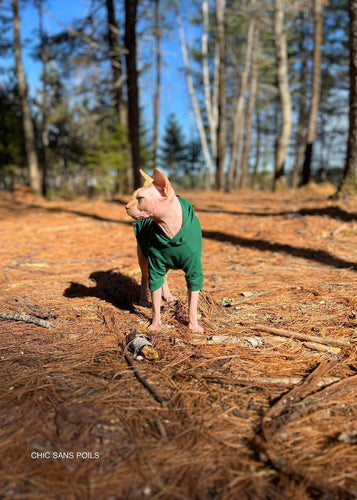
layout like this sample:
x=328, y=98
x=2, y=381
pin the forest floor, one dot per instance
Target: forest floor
x=262, y=406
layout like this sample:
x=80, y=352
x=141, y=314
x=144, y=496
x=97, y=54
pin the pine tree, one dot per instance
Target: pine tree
x=12, y=143
x=173, y=150
x=31, y=153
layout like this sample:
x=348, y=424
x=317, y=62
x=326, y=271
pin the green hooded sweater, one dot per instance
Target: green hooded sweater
x=181, y=252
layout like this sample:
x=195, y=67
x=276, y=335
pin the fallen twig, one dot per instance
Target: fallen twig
x=254, y=295
x=26, y=319
x=302, y=336
x=294, y=407
x=142, y=379
x=285, y=405
x=267, y=381
x=323, y=347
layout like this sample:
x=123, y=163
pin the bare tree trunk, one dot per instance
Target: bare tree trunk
x=120, y=106
x=158, y=80
x=196, y=108
x=302, y=125
x=115, y=52
x=284, y=91
x=221, y=118
x=238, y=118
x=44, y=104
x=350, y=172
x=32, y=161
x=215, y=101
x=316, y=91
x=257, y=146
x=210, y=103
x=133, y=92
x=250, y=110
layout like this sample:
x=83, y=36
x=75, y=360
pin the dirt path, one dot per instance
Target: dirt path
x=76, y=423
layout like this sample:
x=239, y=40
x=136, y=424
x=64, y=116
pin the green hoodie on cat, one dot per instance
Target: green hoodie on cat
x=181, y=252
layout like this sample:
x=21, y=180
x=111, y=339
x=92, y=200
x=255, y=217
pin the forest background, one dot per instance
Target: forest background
x=219, y=94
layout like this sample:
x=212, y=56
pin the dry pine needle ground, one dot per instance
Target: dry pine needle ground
x=246, y=413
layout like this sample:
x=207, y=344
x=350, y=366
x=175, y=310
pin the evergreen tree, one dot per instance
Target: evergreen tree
x=193, y=163
x=12, y=143
x=106, y=160
x=173, y=149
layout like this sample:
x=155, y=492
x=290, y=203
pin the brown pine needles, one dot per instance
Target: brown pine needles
x=250, y=411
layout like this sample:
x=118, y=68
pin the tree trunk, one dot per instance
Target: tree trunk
x=115, y=52
x=250, y=110
x=196, y=108
x=257, y=146
x=302, y=123
x=238, y=118
x=32, y=161
x=133, y=92
x=44, y=104
x=210, y=103
x=316, y=92
x=158, y=80
x=350, y=172
x=221, y=122
x=115, y=61
x=284, y=91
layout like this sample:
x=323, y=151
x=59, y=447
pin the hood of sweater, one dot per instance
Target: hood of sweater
x=188, y=221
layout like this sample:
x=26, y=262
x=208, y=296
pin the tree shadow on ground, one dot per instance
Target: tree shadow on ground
x=79, y=213
x=331, y=212
x=304, y=253
x=120, y=200
x=111, y=286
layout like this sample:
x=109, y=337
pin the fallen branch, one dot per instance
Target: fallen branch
x=302, y=336
x=26, y=319
x=294, y=407
x=286, y=404
x=142, y=379
x=323, y=347
x=255, y=342
x=252, y=296
x=267, y=381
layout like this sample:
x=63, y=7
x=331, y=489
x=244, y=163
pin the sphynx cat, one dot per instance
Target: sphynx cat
x=169, y=237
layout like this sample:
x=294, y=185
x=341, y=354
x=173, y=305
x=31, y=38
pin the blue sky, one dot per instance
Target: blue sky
x=174, y=94
x=64, y=11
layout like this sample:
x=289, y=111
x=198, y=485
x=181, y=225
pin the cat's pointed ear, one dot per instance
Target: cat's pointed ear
x=162, y=184
x=148, y=180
